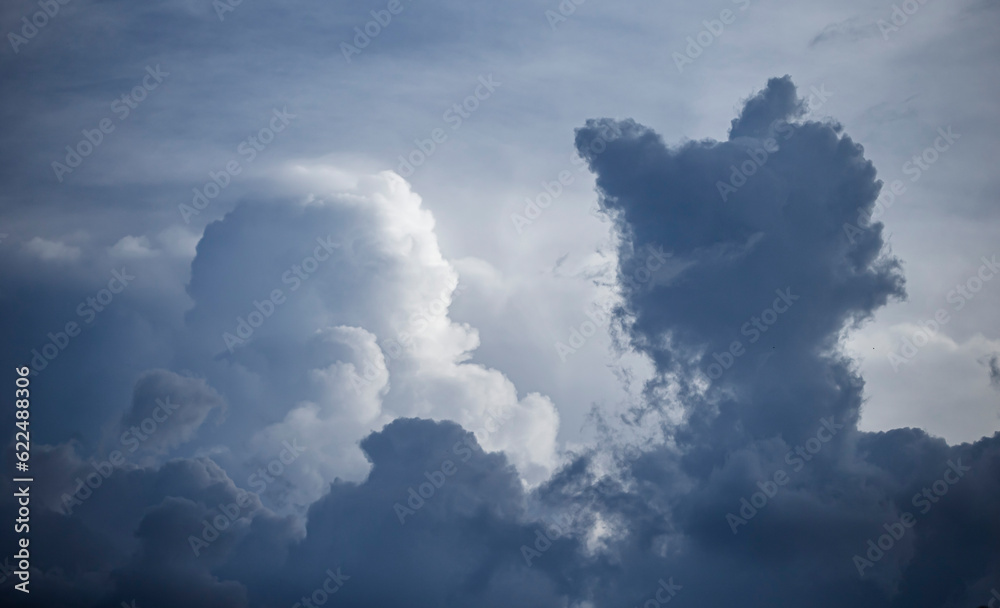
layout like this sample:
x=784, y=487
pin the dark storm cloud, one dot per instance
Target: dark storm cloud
x=770, y=279
x=455, y=540
x=749, y=335
x=760, y=217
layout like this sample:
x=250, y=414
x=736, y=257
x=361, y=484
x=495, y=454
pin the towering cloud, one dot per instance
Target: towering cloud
x=364, y=460
x=766, y=485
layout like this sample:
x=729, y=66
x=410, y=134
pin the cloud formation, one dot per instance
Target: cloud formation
x=423, y=478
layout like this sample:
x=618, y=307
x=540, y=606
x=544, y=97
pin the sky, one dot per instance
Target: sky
x=569, y=304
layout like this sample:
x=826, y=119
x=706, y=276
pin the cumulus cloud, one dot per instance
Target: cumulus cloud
x=416, y=458
x=779, y=269
x=334, y=308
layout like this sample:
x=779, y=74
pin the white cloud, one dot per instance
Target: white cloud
x=52, y=250
x=367, y=334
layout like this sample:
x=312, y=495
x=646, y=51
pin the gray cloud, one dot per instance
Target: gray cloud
x=167, y=410
x=994, y=369
x=451, y=524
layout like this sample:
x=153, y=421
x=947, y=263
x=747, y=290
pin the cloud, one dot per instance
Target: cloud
x=994, y=369
x=132, y=247
x=52, y=250
x=334, y=308
x=853, y=29
x=775, y=276
x=416, y=458
x=167, y=410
